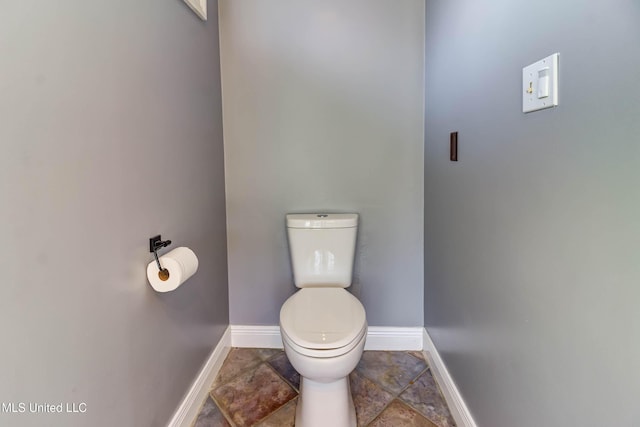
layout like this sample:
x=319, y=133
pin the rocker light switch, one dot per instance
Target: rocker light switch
x=543, y=83
x=540, y=84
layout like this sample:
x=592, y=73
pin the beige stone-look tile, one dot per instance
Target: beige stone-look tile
x=237, y=361
x=283, y=417
x=424, y=395
x=393, y=370
x=282, y=365
x=417, y=354
x=398, y=414
x=267, y=353
x=368, y=398
x=253, y=395
x=249, y=390
x=210, y=416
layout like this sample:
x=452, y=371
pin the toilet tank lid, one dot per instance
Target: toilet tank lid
x=320, y=220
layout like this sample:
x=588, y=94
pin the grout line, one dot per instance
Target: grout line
x=409, y=385
x=438, y=386
x=241, y=372
x=402, y=402
x=410, y=353
x=439, y=392
x=376, y=383
x=383, y=389
x=381, y=411
x=222, y=410
x=277, y=410
x=200, y=410
x=436, y=381
x=273, y=356
x=396, y=396
x=404, y=388
x=285, y=380
x=412, y=382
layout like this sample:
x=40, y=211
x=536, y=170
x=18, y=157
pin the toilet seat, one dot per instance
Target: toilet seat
x=322, y=321
x=321, y=354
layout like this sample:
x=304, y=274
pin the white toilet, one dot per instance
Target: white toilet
x=323, y=326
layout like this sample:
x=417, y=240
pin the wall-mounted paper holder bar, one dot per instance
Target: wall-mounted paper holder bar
x=156, y=243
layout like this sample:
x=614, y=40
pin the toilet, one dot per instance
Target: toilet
x=323, y=326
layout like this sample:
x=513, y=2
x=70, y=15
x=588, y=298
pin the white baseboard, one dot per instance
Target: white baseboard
x=391, y=338
x=458, y=408
x=249, y=336
x=378, y=337
x=190, y=406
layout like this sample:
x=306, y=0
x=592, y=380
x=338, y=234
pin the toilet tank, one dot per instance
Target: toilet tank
x=322, y=248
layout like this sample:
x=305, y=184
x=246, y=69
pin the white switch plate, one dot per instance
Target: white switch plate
x=540, y=75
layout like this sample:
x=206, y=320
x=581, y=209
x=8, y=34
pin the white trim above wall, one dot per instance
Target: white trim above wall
x=192, y=401
x=378, y=337
x=458, y=408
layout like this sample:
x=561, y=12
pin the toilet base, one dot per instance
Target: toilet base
x=322, y=404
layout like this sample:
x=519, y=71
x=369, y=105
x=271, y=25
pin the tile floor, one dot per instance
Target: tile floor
x=259, y=387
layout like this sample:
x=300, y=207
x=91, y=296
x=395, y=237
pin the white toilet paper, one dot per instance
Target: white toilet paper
x=182, y=263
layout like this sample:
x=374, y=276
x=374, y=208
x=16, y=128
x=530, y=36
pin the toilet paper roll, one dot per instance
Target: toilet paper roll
x=182, y=263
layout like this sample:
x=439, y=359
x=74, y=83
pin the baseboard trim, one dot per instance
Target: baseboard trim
x=255, y=336
x=378, y=337
x=458, y=408
x=389, y=338
x=190, y=405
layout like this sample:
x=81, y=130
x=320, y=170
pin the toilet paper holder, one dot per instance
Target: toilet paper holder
x=156, y=243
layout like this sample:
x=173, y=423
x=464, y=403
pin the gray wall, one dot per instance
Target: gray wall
x=531, y=240
x=323, y=112
x=110, y=133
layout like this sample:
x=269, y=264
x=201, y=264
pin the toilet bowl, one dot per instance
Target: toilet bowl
x=324, y=332
x=323, y=326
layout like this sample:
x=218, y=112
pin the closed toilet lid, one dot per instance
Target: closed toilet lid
x=322, y=318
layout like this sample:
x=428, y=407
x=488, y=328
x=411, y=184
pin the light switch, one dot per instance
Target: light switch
x=543, y=83
x=540, y=84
